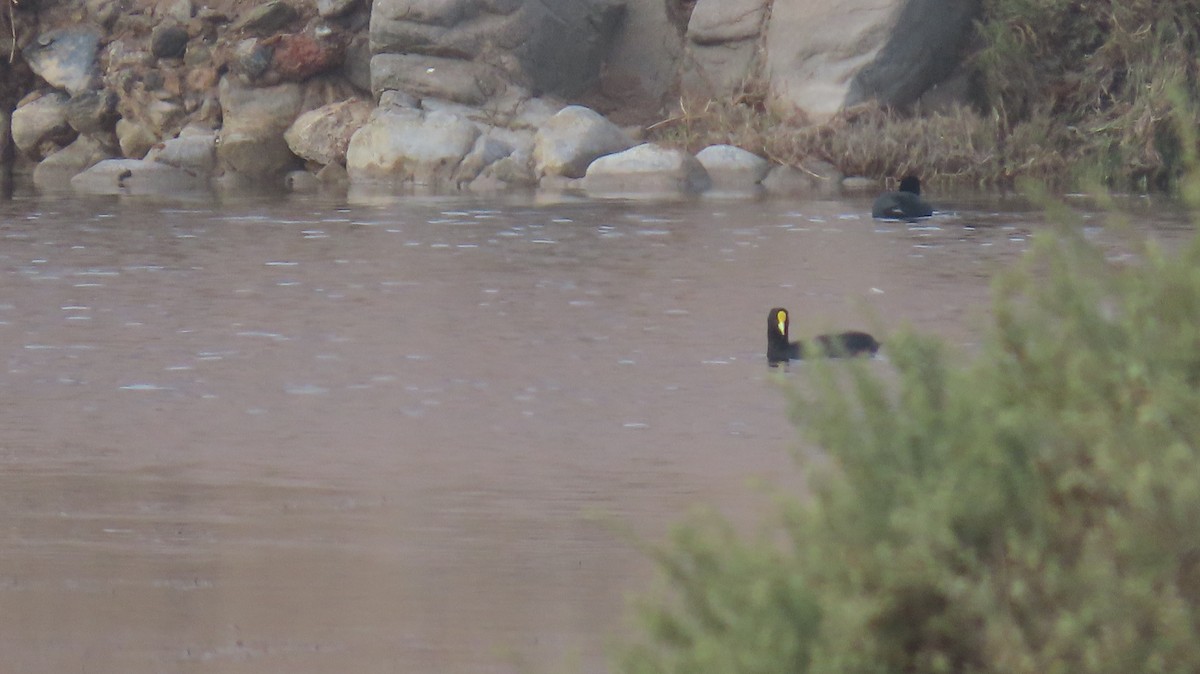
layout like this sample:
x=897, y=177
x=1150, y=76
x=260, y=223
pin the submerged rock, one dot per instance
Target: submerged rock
x=136, y=176
x=732, y=168
x=58, y=169
x=646, y=168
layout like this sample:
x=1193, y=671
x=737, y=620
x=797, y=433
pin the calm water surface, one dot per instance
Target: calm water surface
x=301, y=435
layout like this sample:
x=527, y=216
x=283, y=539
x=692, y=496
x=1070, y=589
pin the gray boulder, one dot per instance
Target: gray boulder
x=572, y=139
x=193, y=151
x=136, y=176
x=93, y=111
x=487, y=151
x=135, y=138
x=556, y=47
x=65, y=57
x=423, y=76
x=732, y=168
x=251, y=139
x=647, y=168
x=330, y=9
x=323, y=135
x=405, y=145
x=722, y=46
x=58, y=169
x=924, y=47
x=39, y=125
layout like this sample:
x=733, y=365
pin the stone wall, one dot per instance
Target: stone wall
x=248, y=91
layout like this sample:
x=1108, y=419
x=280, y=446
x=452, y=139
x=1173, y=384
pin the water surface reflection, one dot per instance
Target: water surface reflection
x=307, y=436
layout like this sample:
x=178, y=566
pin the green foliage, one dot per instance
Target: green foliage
x=1036, y=509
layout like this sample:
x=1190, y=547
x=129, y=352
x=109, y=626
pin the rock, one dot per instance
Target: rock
x=330, y=9
x=813, y=175
x=722, y=46
x=135, y=138
x=859, y=184
x=402, y=145
x=251, y=138
x=266, y=18
x=58, y=169
x=323, y=135
x=120, y=56
x=298, y=56
x=516, y=170
x=487, y=151
x=641, y=67
x=723, y=21
x=104, y=12
x=925, y=44
x=301, y=181
x=557, y=47
x=136, y=176
x=732, y=168
x=168, y=41
x=194, y=152
x=65, y=57
x=787, y=180
x=451, y=79
x=333, y=174
x=93, y=111
x=356, y=67
x=5, y=135
x=572, y=139
x=647, y=168
x=39, y=125
x=179, y=11
x=251, y=59
x=532, y=113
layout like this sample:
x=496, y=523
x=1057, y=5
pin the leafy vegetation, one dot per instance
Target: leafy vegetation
x=1033, y=509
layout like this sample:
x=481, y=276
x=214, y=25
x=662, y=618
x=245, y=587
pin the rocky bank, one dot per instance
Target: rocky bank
x=131, y=96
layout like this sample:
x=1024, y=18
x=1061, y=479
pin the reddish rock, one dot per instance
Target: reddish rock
x=299, y=56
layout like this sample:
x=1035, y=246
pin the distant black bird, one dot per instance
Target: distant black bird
x=780, y=350
x=904, y=204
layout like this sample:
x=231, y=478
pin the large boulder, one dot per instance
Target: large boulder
x=924, y=47
x=58, y=169
x=647, y=168
x=732, y=168
x=66, y=57
x=822, y=56
x=407, y=145
x=554, y=47
x=441, y=77
x=194, y=151
x=251, y=139
x=722, y=46
x=572, y=139
x=39, y=125
x=136, y=176
x=323, y=135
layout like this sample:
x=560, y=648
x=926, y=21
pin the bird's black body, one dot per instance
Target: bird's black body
x=780, y=350
x=904, y=204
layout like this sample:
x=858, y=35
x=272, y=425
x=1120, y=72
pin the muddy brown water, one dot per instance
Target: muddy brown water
x=393, y=435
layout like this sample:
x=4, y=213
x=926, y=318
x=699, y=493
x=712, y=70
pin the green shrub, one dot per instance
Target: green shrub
x=1033, y=509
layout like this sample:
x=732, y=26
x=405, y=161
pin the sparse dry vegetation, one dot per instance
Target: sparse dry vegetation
x=1070, y=93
